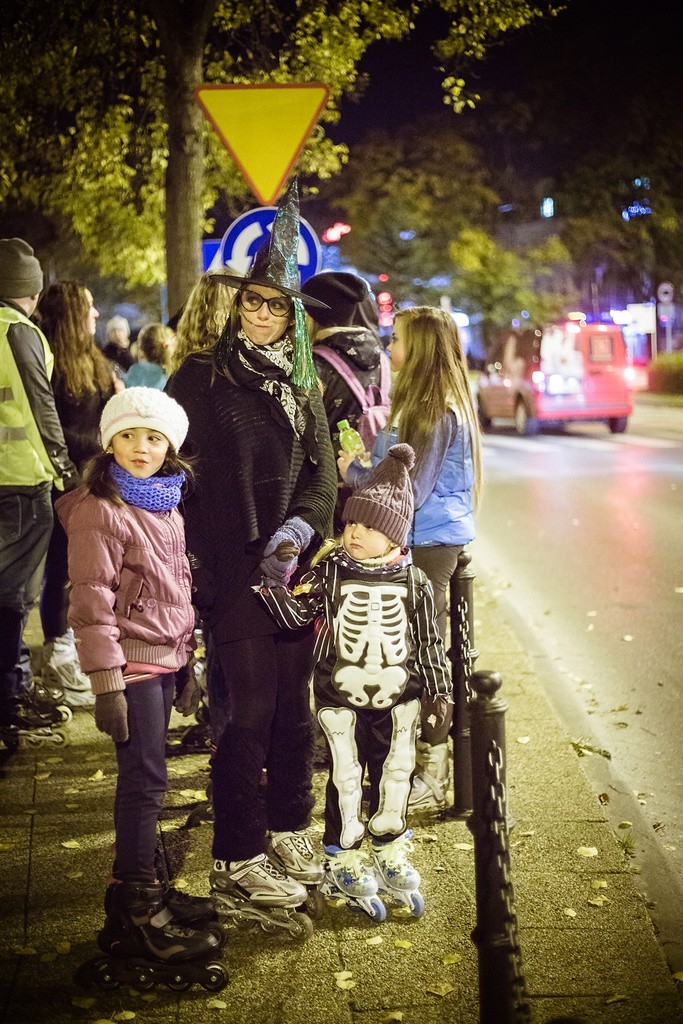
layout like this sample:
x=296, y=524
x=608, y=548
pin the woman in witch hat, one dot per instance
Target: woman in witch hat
x=264, y=498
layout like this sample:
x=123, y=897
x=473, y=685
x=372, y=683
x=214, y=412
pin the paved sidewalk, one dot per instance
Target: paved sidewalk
x=588, y=943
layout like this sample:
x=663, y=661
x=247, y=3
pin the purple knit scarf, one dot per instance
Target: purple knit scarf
x=155, y=494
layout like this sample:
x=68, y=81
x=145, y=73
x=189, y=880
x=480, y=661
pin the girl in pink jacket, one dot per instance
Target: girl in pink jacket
x=132, y=615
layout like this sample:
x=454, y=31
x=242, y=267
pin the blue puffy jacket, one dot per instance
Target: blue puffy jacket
x=446, y=516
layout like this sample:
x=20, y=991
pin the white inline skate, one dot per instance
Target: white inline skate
x=349, y=876
x=293, y=853
x=255, y=892
x=396, y=876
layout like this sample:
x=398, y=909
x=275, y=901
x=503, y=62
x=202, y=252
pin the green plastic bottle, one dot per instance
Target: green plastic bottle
x=350, y=440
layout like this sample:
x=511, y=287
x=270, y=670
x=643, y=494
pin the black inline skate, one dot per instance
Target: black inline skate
x=22, y=726
x=197, y=912
x=144, y=946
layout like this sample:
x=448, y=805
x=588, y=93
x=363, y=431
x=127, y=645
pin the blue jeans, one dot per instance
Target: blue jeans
x=141, y=783
x=25, y=526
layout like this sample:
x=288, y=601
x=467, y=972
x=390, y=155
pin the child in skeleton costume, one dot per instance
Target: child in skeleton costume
x=377, y=649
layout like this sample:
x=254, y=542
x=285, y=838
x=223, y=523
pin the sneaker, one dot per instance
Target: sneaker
x=392, y=864
x=351, y=873
x=257, y=879
x=61, y=669
x=294, y=853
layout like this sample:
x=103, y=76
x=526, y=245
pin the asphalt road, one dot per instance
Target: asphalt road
x=581, y=532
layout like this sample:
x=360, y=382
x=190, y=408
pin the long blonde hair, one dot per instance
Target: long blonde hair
x=433, y=380
x=203, y=317
x=79, y=364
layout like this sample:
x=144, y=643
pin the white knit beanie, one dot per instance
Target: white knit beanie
x=144, y=407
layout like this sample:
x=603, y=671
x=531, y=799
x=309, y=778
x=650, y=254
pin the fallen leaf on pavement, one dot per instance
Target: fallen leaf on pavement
x=625, y=824
x=97, y=777
x=466, y=847
x=441, y=988
x=616, y=999
x=63, y=947
x=568, y=912
x=627, y=638
x=343, y=975
x=41, y=776
x=83, y=1002
x=124, y=1015
x=587, y=851
x=451, y=958
x=345, y=983
x=403, y=944
x=598, y=901
x=217, y=1004
x=394, y=1015
x=376, y=940
x=71, y=844
x=24, y=950
x=599, y=883
x=523, y=739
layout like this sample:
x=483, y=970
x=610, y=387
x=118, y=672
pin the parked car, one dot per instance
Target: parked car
x=568, y=371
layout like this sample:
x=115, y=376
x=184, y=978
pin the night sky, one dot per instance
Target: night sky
x=582, y=71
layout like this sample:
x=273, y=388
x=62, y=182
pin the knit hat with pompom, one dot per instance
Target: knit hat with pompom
x=385, y=501
x=144, y=407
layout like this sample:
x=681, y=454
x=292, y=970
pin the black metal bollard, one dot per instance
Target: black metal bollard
x=502, y=989
x=462, y=654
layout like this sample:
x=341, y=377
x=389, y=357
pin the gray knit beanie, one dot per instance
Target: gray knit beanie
x=385, y=502
x=20, y=271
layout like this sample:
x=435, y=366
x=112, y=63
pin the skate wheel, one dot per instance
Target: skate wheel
x=142, y=979
x=220, y=933
x=65, y=713
x=103, y=975
x=417, y=904
x=178, y=983
x=216, y=977
x=315, y=904
x=11, y=742
x=301, y=927
x=377, y=910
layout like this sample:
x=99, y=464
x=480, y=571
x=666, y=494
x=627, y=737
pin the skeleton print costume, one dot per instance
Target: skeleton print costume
x=377, y=649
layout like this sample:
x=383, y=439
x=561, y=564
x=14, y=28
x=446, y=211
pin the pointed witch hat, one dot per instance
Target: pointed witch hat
x=275, y=263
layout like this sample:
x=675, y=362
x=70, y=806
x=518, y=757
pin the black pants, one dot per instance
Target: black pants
x=54, y=597
x=270, y=727
x=25, y=525
x=438, y=562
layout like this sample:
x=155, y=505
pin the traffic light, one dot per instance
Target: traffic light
x=386, y=314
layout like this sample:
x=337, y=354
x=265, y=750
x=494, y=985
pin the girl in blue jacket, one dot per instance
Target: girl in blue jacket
x=432, y=409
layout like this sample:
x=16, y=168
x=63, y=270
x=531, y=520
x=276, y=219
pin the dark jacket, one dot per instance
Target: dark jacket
x=252, y=475
x=80, y=419
x=361, y=349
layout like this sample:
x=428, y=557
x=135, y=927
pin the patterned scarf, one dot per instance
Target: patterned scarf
x=155, y=494
x=268, y=368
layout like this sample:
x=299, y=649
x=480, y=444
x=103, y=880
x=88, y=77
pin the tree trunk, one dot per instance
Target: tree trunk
x=182, y=31
x=184, y=181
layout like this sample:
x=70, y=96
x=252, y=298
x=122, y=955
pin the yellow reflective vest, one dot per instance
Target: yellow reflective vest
x=24, y=461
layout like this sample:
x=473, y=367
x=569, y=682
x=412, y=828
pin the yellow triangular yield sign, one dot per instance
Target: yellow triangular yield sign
x=264, y=128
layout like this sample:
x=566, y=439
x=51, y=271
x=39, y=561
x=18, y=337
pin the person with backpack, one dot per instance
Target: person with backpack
x=350, y=361
x=433, y=411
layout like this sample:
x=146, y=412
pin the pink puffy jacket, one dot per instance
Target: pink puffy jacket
x=131, y=587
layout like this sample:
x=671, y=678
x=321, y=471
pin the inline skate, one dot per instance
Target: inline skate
x=293, y=853
x=144, y=946
x=49, y=702
x=22, y=726
x=255, y=892
x=396, y=876
x=348, y=876
x=197, y=912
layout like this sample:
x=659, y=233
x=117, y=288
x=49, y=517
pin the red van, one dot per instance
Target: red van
x=570, y=370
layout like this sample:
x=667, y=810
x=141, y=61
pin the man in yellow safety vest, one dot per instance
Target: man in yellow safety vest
x=33, y=457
